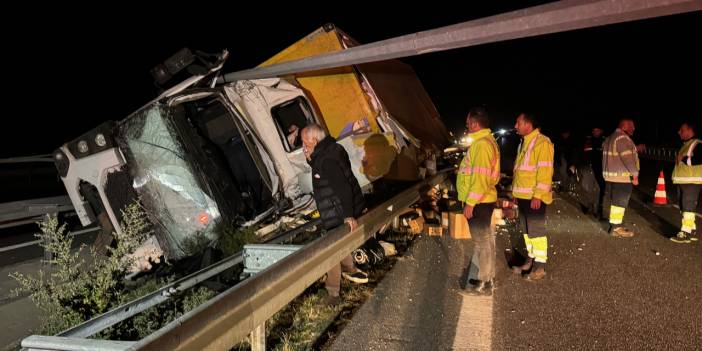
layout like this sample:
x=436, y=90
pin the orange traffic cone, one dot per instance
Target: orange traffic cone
x=660, y=197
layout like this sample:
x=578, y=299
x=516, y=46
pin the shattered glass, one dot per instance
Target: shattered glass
x=185, y=215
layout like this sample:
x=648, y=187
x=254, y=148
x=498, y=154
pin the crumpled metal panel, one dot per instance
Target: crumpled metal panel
x=405, y=99
x=182, y=211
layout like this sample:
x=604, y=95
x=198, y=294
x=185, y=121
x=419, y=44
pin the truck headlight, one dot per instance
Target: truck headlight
x=83, y=146
x=100, y=140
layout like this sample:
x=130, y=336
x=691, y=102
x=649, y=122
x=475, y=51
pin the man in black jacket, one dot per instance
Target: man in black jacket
x=338, y=196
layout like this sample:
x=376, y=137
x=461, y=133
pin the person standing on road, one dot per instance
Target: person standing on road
x=620, y=169
x=338, y=196
x=531, y=187
x=688, y=176
x=593, y=157
x=477, y=177
x=564, y=159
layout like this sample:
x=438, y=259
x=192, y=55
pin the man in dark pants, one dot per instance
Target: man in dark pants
x=531, y=187
x=477, y=177
x=688, y=176
x=593, y=156
x=338, y=196
x=564, y=159
x=620, y=168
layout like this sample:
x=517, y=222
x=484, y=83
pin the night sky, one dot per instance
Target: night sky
x=68, y=73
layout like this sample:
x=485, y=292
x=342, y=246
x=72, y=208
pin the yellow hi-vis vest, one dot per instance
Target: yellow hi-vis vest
x=686, y=173
x=533, y=169
x=480, y=170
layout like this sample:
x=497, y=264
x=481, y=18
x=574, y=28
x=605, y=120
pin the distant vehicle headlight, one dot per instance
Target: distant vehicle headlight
x=83, y=146
x=100, y=140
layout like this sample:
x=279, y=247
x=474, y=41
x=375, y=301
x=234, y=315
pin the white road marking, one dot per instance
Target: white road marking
x=474, y=328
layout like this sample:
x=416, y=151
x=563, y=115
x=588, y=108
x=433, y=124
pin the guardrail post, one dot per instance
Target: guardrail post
x=258, y=338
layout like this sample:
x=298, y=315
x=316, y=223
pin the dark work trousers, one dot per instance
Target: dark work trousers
x=535, y=239
x=333, y=282
x=597, y=172
x=484, y=238
x=534, y=220
x=688, y=195
x=620, y=193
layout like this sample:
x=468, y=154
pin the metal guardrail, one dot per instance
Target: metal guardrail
x=45, y=343
x=116, y=315
x=28, y=159
x=35, y=242
x=28, y=211
x=229, y=317
x=555, y=17
x=659, y=153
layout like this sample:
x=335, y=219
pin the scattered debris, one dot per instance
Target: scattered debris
x=388, y=248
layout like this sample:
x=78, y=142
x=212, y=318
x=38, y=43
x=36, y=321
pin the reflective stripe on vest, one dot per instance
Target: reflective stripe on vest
x=524, y=166
x=523, y=190
x=689, y=151
x=490, y=172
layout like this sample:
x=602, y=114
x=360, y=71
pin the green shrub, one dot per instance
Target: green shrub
x=233, y=239
x=79, y=285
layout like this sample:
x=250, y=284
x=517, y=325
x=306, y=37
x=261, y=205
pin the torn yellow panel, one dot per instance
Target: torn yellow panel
x=336, y=93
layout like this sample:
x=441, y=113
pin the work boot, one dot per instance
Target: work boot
x=480, y=288
x=537, y=273
x=524, y=267
x=621, y=232
x=681, y=238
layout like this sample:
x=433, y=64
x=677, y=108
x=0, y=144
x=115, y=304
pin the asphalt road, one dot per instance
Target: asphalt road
x=601, y=293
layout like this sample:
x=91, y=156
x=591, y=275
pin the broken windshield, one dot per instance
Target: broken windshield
x=183, y=212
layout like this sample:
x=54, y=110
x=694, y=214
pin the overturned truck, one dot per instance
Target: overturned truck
x=202, y=156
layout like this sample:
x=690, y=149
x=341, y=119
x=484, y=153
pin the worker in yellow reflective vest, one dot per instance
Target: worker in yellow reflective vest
x=476, y=180
x=688, y=176
x=531, y=188
x=620, y=169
